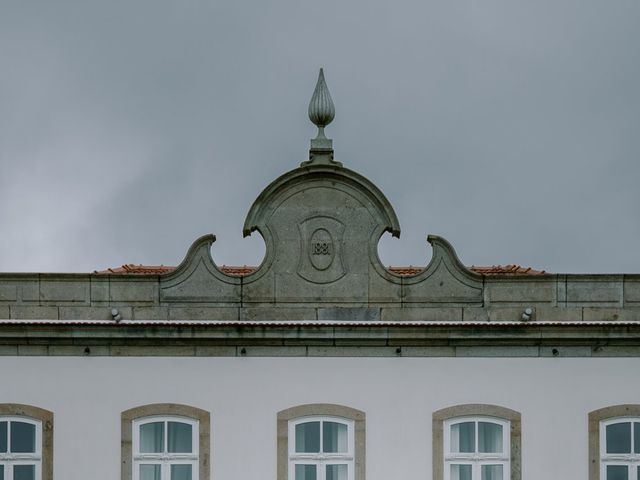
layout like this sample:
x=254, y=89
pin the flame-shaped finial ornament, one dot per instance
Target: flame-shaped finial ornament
x=321, y=113
x=321, y=108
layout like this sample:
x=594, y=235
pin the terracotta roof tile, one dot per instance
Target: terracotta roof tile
x=506, y=270
x=131, y=268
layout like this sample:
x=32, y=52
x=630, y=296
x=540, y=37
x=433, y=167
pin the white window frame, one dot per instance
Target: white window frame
x=631, y=460
x=321, y=459
x=477, y=459
x=9, y=460
x=166, y=459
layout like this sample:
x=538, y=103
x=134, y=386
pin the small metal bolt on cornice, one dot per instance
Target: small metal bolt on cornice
x=321, y=113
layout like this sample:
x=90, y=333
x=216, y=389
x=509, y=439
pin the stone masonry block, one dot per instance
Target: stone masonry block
x=92, y=313
x=133, y=291
x=4, y=311
x=151, y=313
x=349, y=313
x=558, y=314
x=606, y=290
x=521, y=292
x=595, y=314
x=437, y=314
x=8, y=293
x=203, y=313
x=99, y=289
x=277, y=314
x=29, y=290
x=631, y=289
x=64, y=291
x=33, y=312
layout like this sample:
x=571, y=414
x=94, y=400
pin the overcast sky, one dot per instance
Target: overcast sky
x=130, y=127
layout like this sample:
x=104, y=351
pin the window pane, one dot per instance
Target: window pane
x=619, y=438
x=3, y=437
x=152, y=438
x=306, y=472
x=636, y=437
x=149, y=472
x=460, y=472
x=1, y=472
x=308, y=437
x=23, y=438
x=463, y=437
x=24, y=472
x=638, y=474
x=180, y=435
x=489, y=437
x=617, y=472
x=337, y=472
x=491, y=472
x=334, y=437
x=180, y=472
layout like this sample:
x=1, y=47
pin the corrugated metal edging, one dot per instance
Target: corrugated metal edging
x=312, y=323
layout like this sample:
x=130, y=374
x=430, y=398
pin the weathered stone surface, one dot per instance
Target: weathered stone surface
x=523, y=291
x=442, y=286
x=352, y=288
x=558, y=314
x=8, y=293
x=438, y=314
x=151, y=313
x=198, y=279
x=216, y=351
x=99, y=289
x=203, y=313
x=259, y=289
x=63, y=291
x=611, y=314
x=280, y=351
x=4, y=311
x=497, y=351
x=33, y=312
x=29, y=289
x=92, y=313
x=349, y=313
x=382, y=291
x=631, y=289
x=134, y=291
x=595, y=289
x=277, y=314
x=565, y=351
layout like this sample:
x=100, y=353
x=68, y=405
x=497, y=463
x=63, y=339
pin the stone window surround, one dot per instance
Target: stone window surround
x=476, y=409
x=323, y=409
x=44, y=416
x=165, y=409
x=595, y=417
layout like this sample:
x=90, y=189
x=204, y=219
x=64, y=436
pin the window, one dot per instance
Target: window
x=165, y=442
x=475, y=449
x=476, y=442
x=614, y=443
x=322, y=448
x=26, y=443
x=165, y=448
x=321, y=442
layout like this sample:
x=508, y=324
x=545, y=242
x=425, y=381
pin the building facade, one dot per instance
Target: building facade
x=320, y=363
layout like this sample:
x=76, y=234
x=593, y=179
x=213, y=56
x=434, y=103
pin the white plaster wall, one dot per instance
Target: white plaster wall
x=243, y=396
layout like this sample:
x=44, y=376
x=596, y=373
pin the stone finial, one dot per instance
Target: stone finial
x=321, y=108
x=321, y=113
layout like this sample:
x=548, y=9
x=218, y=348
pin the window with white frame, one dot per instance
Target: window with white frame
x=620, y=448
x=476, y=448
x=321, y=448
x=20, y=448
x=165, y=448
